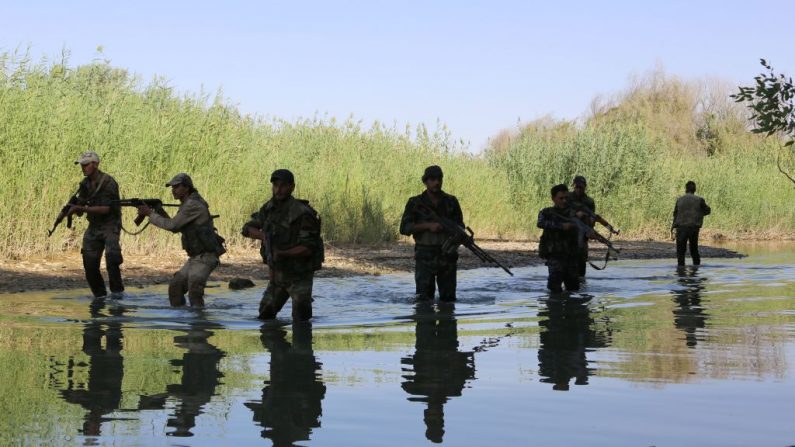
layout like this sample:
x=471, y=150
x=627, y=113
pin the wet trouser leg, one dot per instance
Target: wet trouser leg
x=692, y=239
x=298, y=288
x=446, y=277
x=685, y=236
x=563, y=272
x=178, y=286
x=192, y=278
x=681, y=245
x=93, y=246
x=113, y=260
x=425, y=273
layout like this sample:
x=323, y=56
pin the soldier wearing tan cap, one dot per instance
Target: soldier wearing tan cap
x=199, y=240
x=104, y=225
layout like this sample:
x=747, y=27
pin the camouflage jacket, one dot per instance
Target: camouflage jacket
x=194, y=222
x=105, y=190
x=289, y=224
x=557, y=243
x=448, y=207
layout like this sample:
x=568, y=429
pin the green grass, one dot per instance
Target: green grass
x=357, y=178
x=637, y=153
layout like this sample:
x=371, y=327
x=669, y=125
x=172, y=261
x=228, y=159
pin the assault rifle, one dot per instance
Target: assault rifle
x=585, y=231
x=458, y=236
x=64, y=213
x=597, y=218
x=156, y=205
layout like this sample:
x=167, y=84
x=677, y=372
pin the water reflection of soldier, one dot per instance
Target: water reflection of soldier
x=200, y=376
x=689, y=316
x=440, y=369
x=291, y=400
x=102, y=394
x=566, y=333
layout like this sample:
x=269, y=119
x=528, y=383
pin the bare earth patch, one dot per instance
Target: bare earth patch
x=66, y=271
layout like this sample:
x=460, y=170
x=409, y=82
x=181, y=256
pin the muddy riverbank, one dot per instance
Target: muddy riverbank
x=65, y=271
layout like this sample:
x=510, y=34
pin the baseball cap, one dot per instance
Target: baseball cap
x=284, y=175
x=181, y=179
x=87, y=157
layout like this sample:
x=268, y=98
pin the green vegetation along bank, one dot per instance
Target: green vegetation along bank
x=637, y=151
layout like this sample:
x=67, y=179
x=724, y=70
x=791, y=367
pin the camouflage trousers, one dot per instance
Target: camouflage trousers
x=281, y=288
x=563, y=271
x=96, y=240
x=431, y=269
x=191, y=279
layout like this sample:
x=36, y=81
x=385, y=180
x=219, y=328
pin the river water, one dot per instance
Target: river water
x=646, y=355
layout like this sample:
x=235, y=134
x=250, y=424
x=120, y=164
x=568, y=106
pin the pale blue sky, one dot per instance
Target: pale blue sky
x=479, y=67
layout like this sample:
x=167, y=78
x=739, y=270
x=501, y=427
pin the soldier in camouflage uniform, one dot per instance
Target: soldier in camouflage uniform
x=199, y=240
x=433, y=266
x=559, y=241
x=291, y=247
x=689, y=215
x=104, y=226
x=579, y=200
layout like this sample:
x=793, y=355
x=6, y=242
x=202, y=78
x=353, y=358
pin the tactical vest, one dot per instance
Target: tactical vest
x=283, y=227
x=446, y=208
x=555, y=244
x=202, y=237
x=688, y=211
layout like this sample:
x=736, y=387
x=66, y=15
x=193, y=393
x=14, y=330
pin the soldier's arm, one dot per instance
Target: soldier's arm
x=253, y=228
x=705, y=208
x=407, y=223
x=308, y=235
x=109, y=192
x=547, y=223
x=187, y=214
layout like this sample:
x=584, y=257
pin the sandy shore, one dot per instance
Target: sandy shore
x=66, y=271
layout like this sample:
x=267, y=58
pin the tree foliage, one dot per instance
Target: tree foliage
x=771, y=103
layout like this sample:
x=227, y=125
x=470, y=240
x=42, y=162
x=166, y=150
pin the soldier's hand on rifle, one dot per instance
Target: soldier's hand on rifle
x=144, y=210
x=255, y=233
x=568, y=226
x=435, y=227
x=77, y=209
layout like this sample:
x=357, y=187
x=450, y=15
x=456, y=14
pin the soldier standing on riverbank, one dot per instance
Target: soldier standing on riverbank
x=435, y=264
x=559, y=241
x=689, y=213
x=578, y=200
x=291, y=247
x=104, y=226
x=199, y=240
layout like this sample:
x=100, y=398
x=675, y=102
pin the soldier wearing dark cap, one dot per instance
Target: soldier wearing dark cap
x=104, y=226
x=433, y=265
x=291, y=247
x=199, y=240
x=579, y=200
x=689, y=215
